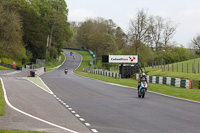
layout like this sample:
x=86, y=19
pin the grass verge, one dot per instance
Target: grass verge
x=191, y=94
x=5, y=68
x=37, y=81
x=49, y=65
x=2, y=101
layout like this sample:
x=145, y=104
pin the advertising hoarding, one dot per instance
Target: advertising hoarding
x=123, y=59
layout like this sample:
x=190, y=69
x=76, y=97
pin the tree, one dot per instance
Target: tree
x=169, y=31
x=196, y=41
x=11, y=34
x=156, y=26
x=120, y=38
x=138, y=28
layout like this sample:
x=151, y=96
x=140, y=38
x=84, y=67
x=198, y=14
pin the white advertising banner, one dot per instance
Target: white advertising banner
x=123, y=59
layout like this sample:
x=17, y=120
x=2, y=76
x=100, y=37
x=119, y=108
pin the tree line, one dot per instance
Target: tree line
x=33, y=29
x=148, y=36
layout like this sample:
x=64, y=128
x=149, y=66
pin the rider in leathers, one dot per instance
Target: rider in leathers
x=142, y=78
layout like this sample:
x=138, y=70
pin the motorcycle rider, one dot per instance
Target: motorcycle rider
x=66, y=70
x=142, y=78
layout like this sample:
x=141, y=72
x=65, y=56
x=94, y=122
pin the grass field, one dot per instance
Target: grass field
x=192, y=94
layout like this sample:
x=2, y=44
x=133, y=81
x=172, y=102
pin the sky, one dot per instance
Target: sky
x=184, y=13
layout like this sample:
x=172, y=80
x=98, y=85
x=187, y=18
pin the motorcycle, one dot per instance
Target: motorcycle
x=66, y=71
x=142, y=89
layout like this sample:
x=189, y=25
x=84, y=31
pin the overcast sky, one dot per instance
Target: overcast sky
x=185, y=13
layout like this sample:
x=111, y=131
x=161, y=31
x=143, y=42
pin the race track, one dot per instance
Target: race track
x=115, y=109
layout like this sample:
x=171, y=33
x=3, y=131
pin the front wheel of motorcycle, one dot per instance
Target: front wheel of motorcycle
x=143, y=95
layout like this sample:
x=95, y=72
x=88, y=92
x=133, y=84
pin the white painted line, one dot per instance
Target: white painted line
x=12, y=73
x=57, y=98
x=77, y=115
x=45, y=85
x=54, y=95
x=87, y=124
x=70, y=108
x=38, y=86
x=73, y=112
x=34, y=117
x=80, y=62
x=67, y=106
x=64, y=103
x=94, y=131
x=81, y=119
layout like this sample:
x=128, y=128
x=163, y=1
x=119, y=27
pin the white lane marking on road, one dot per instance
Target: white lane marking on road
x=81, y=119
x=77, y=115
x=87, y=124
x=94, y=131
x=67, y=106
x=34, y=117
x=11, y=73
x=45, y=85
x=70, y=108
x=73, y=112
x=80, y=63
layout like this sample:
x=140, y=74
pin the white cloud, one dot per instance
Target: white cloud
x=80, y=15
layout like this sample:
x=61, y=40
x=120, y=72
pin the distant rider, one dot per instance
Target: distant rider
x=142, y=78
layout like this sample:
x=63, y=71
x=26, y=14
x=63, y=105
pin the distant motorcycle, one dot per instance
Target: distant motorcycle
x=66, y=71
x=142, y=89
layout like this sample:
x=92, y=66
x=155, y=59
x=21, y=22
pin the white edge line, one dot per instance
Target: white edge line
x=39, y=86
x=8, y=103
x=147, y=91
x=80, y=62
x=46, y=85
x=61, y=64
x=55, y=67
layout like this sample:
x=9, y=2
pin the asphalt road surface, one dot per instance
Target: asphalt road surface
x=115, y=109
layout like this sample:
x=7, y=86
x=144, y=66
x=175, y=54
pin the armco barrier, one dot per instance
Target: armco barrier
x=183, y=83
x=10, y=66
x=101, y=72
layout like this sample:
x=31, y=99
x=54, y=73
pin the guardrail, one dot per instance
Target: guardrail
x=183, y=83
x=101, y=72
x=10, y=66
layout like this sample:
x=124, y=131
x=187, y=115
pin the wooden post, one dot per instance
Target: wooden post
x=177, y=66
x=164, y=66
x=187, y=67
x=192, y=68
x=182, y=67
x=168, y=67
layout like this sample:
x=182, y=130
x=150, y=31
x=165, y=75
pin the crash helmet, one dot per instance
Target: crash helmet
x=143, y=75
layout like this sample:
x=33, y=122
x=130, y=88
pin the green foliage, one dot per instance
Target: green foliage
x=27, y=28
